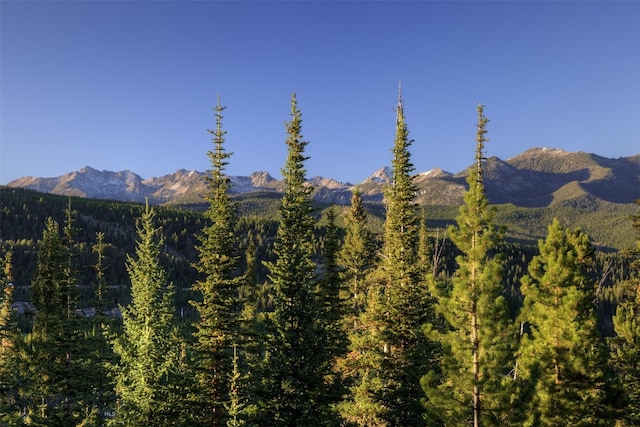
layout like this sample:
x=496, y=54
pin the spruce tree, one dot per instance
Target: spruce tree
x=407, y=303
x=53, y=360
x=10, y=341
x=625, y=345
x=331, y=297
x=7, y=320
x=98, y=352
x=398, y=304
x=363, y=366
x=296, y=358
x=41, y=360
x=149, y=375
x=217, y=305
x=333, y=309
x=358, y=253
x=478, y=338
x=360, y=367
x=562, y=358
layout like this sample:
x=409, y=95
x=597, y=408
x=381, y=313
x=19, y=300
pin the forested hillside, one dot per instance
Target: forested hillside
x=275, y=309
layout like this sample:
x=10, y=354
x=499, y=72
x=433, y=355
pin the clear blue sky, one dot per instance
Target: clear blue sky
x=131, y=85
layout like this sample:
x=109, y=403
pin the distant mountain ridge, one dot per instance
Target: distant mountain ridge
x=538, y=177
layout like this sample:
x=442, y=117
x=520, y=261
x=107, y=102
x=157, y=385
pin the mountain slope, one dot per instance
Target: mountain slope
x=539, y=177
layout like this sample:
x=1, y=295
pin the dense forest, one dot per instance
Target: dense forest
x=275, y=310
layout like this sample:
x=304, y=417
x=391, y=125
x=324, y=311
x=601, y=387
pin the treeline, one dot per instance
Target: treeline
x=314, y=316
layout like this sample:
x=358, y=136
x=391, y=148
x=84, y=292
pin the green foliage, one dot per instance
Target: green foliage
x=149, y=375
x=562, y=360
x=296, y=358
x=23, y=217
x=331, y=295
x=625, y=345
x=605, y=223
x=332, y=301
x=9, y=340
x=363, y=367
x=52, y=360
x=477, y=337
x=397, y=353
x=217, y=302
x=264, y=341
x=357, y=256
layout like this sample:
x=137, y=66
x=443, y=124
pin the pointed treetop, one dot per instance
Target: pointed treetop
x=294, y=104
x=399, y=109
x=480, y=140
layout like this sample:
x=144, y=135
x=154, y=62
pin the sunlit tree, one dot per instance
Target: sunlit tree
x=472, y=385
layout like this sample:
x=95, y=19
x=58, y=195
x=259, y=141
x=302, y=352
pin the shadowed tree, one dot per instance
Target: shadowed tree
x=296, y=358
x=333, y=309
x=330, y=291
x=53, y=362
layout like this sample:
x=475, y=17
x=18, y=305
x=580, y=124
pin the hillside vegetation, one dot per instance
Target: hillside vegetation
x=428, y=299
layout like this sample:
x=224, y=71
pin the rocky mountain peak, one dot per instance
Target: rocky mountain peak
x=535, y=178
x=381, y=176
x=434, y=173
x=261, y=179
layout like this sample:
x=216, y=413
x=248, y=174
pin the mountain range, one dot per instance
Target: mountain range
x=539, y=177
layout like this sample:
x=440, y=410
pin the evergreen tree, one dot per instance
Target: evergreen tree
x=425, y=251
x=10, y=340
x=358, y=253
x=52, y=362
x=333, y=309
x=98, y=351
x=625, y=346
x=217, y=305
x=478, y=337
x=149, y=374
x=363, y=365
x=49, y=280
x=562, y=359
x=331, y=295
x=399, y=303
x=7, y=321
x=360, y=367
x=235, y=406
x=296, y=359
x=407, y=303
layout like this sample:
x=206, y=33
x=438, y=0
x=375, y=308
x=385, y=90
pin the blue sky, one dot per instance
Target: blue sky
x=131, y=85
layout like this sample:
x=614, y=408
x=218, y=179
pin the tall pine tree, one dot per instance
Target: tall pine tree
x=562, y=360
x=477, y=338
x=333, y=307
x=52, y=362
x=397, y=352
x=331, y=296
x=217, y=305
x=357, y=256
x=360, y=367
x=296, y=359
x=149, y=375
x=97, y=346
